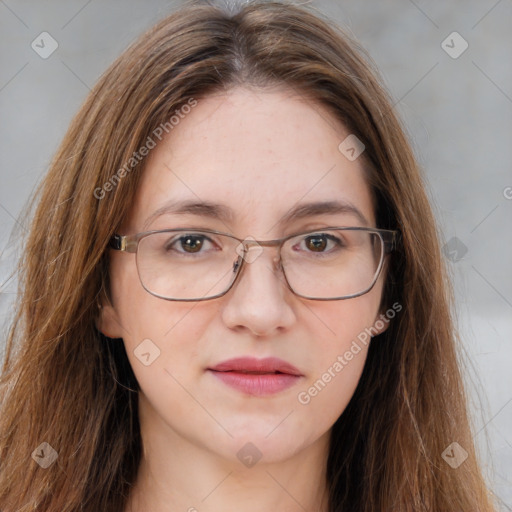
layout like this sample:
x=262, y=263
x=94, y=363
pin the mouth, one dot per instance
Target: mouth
x=257, y=377
x=248, y=372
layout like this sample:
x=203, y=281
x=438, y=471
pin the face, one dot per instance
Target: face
x=259, y=154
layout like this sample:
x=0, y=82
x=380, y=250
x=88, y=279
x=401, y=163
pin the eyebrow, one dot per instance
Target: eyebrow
x=225, y=214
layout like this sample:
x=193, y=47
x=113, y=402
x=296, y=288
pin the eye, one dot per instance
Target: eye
x=190, y=243
x=321, y=242
x=316, y=243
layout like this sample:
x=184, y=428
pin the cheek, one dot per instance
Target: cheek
x=342, y=337
x=164, y=347
x=334, y=325
x=160, y=337
x=326, y=394
x=173, y=331
x=142, y=315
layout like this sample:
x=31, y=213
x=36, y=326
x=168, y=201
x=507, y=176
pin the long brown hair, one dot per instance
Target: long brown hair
x=65, y=384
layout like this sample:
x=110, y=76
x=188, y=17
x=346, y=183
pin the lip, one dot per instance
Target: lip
x=258, y=377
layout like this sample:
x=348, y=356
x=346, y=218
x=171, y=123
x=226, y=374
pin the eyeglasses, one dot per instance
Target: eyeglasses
x=192, y=265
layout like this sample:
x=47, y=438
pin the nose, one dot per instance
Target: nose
x=260, y=300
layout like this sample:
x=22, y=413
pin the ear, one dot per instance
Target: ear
x=107, y=321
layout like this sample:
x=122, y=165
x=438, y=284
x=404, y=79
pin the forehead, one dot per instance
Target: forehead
x=259, y=153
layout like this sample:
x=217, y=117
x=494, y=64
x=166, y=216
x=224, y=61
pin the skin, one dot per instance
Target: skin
x=260, y=153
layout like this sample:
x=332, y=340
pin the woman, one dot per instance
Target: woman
x=232, y=294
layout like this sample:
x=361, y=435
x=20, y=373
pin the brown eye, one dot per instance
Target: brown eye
x=187, y=244
x=316, y=243
x=191, y=243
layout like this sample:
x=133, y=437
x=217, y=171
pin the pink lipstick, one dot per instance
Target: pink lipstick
x=258, y=377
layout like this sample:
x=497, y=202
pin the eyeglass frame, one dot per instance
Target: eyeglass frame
x=130, y=244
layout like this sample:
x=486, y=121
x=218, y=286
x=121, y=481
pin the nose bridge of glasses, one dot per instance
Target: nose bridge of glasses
x=249, y=242
x=251, y=249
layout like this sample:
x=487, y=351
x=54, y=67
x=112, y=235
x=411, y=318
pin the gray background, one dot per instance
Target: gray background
x=458, y=112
